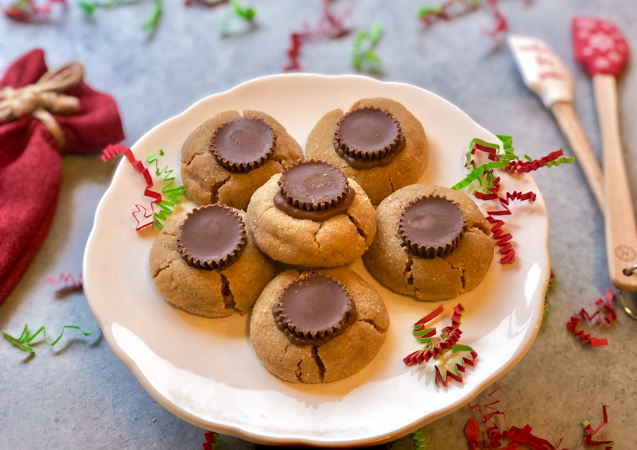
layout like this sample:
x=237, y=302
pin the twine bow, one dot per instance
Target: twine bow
x=43, y=98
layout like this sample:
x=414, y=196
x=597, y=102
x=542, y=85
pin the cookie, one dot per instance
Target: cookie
x=319, y=326
x=205, y=263
x=229, y=156
x=311, y=216
x=432, y=243
x=378, y=143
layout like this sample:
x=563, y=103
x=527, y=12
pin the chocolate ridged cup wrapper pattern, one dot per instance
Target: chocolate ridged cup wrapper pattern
x=211, y=237
x=313, y=185
x=313, y=308
x=431, y=226
x=242, y=145
x=368, y=134
x=313, y=190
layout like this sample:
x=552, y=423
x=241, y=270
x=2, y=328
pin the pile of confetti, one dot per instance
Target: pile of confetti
x=610, y=316
x=165, y=201
x=489, y=185
x=450, y=358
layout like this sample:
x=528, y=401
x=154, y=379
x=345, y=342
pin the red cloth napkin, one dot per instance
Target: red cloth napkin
x=31, y=166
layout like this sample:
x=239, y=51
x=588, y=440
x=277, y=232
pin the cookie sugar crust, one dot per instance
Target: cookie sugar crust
x=206, y=181
x=429, y=279
x=334, y=242
x=378, y=182
x=208, y=293
x=338, y=358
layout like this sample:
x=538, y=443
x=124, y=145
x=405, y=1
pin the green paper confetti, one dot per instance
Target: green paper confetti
x=427, y=10
x=171, y=197
x=447, y=11
x=152, y=22
x=211, y=440
x=89, y=8
x=24, y=341
x=457, y=362
x=367, y=56
x=246, y=13
x=419, y=440
x=504, y=159
x=480, y=174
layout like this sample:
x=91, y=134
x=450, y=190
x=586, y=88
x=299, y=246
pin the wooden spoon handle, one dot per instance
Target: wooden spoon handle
x=621, y=233
x=571, y=128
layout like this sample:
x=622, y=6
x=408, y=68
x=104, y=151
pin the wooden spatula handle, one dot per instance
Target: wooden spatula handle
x=571, y=128
x=621, y=233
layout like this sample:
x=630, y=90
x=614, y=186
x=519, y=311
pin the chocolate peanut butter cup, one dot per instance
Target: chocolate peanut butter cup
x=211, y=237
x=368, y=137
x=313, y=190
x=431, y=226
x=242, y=145
x=314, y=308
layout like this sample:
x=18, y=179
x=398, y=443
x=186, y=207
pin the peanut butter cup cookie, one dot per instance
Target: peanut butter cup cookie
x=311, y=216
x=432, y=243
x=378, y=143
x=205, y=263
x=319, y=326
x=229, y=156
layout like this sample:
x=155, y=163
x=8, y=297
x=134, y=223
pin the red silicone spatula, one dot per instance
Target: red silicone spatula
x=602, y=49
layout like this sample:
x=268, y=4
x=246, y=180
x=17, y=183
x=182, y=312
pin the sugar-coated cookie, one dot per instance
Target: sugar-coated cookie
x=319, y=326
x=431, y=242
x=378, y=143
x=229, y=156
x=311, y=216
x=205, y=263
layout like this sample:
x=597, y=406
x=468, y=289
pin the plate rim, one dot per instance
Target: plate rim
x=237, y=431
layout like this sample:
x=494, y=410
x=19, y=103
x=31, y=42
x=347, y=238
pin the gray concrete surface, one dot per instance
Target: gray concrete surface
x=78, y=395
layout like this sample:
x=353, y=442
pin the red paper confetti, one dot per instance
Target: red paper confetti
x=148, y=192
x=488, y=417
x=145, y=214
x=30, y=10
x=329, y=26
x=66, y=280
x=207, y=3
x=609, y=318
x=509, y=162
x=211, y=440
x=518, y=166
x=501, y=23
x=451, y=9
x=589, y=432
x=113, y=150
x=503, y=238
x=495, y=436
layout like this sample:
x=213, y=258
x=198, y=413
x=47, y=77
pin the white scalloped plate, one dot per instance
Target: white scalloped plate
x=205, y=371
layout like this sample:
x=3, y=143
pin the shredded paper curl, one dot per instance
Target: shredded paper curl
x=330, y=26
x=494, y=437
x=489, y=185
x=451, y=358
x=603, y=306
x=24, y=341
x=364, y=55
x=211, y=440
x=165, y=201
